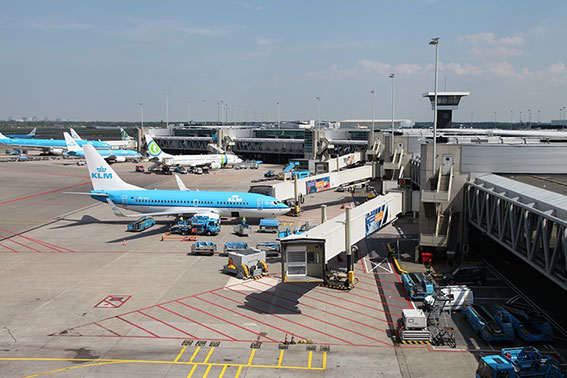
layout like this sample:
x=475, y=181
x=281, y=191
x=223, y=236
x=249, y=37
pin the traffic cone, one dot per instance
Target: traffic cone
x=124, y=242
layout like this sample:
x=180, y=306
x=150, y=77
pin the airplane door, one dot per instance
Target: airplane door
x=260, y=204
x=125, y=201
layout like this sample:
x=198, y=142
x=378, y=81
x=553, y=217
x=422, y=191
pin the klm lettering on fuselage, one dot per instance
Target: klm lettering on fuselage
x=234, y=198
x=101, y=174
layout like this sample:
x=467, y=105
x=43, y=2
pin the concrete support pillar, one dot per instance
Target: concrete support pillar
x=295, y=189
x=348, y=247
x=323, y=213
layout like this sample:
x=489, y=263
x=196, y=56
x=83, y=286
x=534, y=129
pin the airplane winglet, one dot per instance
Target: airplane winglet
x=115, y=209
x=180, y=183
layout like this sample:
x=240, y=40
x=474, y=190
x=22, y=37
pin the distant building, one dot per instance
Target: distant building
x=378, y=123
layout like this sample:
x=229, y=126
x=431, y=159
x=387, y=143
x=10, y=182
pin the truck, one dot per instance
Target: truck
x=530, y=325
x=418, y=285
x=493, y=323
x=141, y=224
x=197, y=224
x=519, y=363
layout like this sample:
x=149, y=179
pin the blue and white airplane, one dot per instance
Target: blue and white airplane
x=53, y=146
x=112, y=156
x=24, y=136
x=109, y=188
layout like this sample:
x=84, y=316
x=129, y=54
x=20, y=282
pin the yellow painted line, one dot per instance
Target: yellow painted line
x=324, y=361
x=194, y=354
x=310, y=359
x=192, y=371
x=209, y=355
x=222, y=371
x=281, y=357
x=238, y=372
x=251, y=356
x=207, y=371
x=400, y=270
x=180, y=353
x=70, y=368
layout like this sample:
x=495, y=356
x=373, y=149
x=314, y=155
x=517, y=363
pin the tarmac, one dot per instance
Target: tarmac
x=83, y=298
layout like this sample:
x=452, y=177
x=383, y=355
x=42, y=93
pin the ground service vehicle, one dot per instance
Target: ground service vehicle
x=493, y=323
x=141, y=224
x=139, y=168
x=270, y=173
x=204, y=248
x=269, y=225
x=530, y=325
x=519, y=363
x=197, y=224
x=468, y=273
x=418, y=285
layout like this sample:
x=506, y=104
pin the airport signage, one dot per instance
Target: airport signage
x=376, y=219
x=318, y=185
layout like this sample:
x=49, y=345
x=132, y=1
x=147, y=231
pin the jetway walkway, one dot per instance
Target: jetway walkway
x=305, y=256
x=529, y=221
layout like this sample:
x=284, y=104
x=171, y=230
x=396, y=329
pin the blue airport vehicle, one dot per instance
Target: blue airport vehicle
x=204, y=248
x=283, y=232
x=271, y=248
x=519, y=363
x=300, y=174
x=141, y=224
x=418, y=285
x=291, y=166
x=530, y=325
x=493, y=323
x=197, y=224
x=269, y=225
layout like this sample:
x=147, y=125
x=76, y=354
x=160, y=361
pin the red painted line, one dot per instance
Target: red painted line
x=108, y=329
x=8, y=248
x=314, y=318
x=53, y=246
x=196, y=322
x=375, y=285
x=247, y=317
x=135, y=325
x=287, y=320
x=23, y=245
x=224, y=320
x=318, y=309
x=43, y=193
x=353, y=302
x=44, y=244
x=43, y=173
x=167, y=324
x=333, y=304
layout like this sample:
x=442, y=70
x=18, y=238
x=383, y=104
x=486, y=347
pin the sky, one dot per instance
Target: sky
x=100, y=60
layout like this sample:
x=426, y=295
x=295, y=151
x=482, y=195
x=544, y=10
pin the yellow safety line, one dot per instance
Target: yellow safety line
x=281, y=358
x=192, y=371
x=251, y=356
x=209, y=355
x=180, y=353
x=222, y=371
x=238, y=372
x=310, y=358
x=207, y=371
x=194, y=354
x=70, y=368
x=400, y=270
x=324, y=361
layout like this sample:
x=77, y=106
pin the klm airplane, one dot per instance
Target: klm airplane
x=53, y=146
x=24, y=136
x=109, y=188
x=112, y=156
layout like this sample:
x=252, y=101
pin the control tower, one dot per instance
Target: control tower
x=446, y=103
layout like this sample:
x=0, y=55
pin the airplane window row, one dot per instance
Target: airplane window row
x=195, y=202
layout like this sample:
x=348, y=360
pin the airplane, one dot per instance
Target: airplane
x=112, y=156
x=125, y=135
x=109, y=188
x=52, y=146
x=213, y=161
x=124, y=143
x=24, y=136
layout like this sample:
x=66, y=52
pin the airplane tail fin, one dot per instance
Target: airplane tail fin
x=2, y=136
x=72, y=145
x=102, y=175
x=75, y=135
x=32, y=133
x=154, y=150
x=124, y=134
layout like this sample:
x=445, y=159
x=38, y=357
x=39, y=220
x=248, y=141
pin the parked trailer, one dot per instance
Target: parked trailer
x=418, y=285
x=519, y=363
x=242, y=229
x=204, y=248
x=234, y=246
x=271, y=248
x=269, y=225
x=530, y=325
x=493, y=323
x=141, y=224
x=247, y=263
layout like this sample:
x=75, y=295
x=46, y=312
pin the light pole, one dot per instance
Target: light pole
x=319, y=108
x=529, y=117
x=520, y=117
x=166, y=110
x=435, y=42
x=218, y=111
x=205, y=111
x=538, y=116
x=373, y=106
x=142, y=115
x=393, y=77
x=188, y=111
x=511, y=116
x=226, y=112
x=471, y=119
x=494, y=119
x=278, y=104
x=235, y=109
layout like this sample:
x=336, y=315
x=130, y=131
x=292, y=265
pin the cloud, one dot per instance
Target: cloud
x=484, y=38
x=487, y=46
x=556, y=72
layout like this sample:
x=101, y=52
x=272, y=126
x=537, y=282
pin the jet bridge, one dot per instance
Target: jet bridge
x=305, y=256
